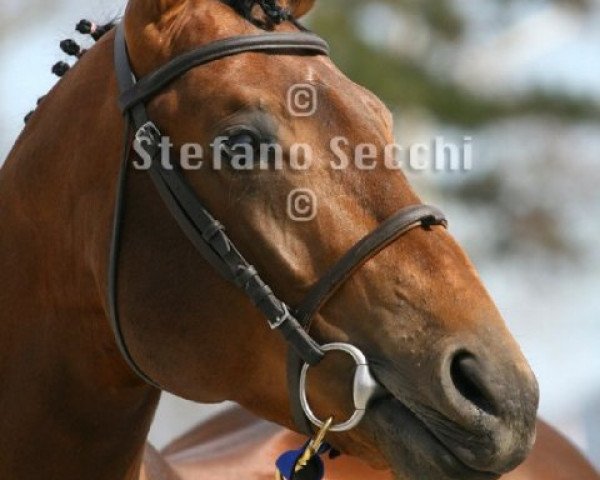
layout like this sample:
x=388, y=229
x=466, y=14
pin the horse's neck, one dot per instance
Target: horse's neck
x=70, y=408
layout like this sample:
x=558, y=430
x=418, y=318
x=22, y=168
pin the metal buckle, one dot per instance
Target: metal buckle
x=279, y=321
x=149, y=131
x=365, y=388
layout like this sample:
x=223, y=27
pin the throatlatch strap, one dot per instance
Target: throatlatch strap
x=203, y=231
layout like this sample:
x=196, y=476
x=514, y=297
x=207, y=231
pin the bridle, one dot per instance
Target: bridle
x=210, y=239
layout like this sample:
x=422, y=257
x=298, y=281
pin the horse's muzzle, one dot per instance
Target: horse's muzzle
x=475, y=420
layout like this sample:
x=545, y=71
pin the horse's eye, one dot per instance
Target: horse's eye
x=243, y=140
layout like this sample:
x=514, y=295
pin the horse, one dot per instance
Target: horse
x=239, y=439
x=88, y=344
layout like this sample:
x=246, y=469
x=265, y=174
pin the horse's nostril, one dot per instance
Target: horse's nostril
x=469, y=380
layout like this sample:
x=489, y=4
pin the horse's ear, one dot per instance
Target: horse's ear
x=299, y=7
x=149, y=11
x=154, y=10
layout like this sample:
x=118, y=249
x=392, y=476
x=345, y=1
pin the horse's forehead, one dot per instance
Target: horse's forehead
x=269, y=83
x=334, y=90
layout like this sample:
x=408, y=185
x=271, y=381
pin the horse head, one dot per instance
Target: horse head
x=456, y=398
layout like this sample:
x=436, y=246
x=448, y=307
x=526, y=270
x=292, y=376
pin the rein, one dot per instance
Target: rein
x=210, y=238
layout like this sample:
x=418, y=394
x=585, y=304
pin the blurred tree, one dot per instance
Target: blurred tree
x=405, y=81
x=403, y=51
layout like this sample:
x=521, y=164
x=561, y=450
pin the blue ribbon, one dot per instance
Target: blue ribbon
x=286, y=464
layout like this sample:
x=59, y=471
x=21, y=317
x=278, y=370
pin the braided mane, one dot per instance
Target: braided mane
x=73, y=49
x=274, y=12
x=272, y=9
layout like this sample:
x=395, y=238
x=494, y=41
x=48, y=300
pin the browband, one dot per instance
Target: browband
x=151, y=84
